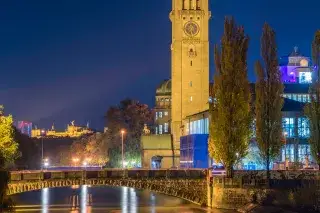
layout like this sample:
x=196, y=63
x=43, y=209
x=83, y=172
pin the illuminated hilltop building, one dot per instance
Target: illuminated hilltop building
x=72, y=131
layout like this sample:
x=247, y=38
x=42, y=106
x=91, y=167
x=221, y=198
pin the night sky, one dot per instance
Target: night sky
x=70, y=60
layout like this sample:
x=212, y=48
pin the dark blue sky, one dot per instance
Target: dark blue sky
x=70, y=60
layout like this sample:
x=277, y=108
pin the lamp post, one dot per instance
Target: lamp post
x=42, y=134
x=122, y=154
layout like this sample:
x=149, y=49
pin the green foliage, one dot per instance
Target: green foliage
x=6, y=203
x=8, y=146
x=230, y=111
x=312, y=110
x=130, y=116
x=30, y=152
x=91, y=149
x=269, y=102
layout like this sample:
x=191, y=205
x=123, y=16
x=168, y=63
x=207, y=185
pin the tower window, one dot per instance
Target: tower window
x=190, y=63
x=198, y=4
x=166, y=127
x=190, y=83
x=160, y=129
x=191, y=98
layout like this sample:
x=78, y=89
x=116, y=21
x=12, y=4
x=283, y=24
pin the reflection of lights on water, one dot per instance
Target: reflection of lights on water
x=75, y=187
x=84, y=194
x=124, y=199
x=45, y=200
x=129, y=200
x=153, y=202
x=133, y=201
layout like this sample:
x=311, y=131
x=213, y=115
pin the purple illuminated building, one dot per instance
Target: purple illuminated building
x=296, y=68
x=25, y=127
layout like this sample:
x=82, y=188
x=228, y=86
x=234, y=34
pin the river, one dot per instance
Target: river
x=85, y=199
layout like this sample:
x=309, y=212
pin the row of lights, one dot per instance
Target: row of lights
x=84, y=163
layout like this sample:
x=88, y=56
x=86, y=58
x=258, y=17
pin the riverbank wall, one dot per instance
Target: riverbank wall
x=291, y=189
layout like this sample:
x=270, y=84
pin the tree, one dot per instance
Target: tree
x=312, y=110
x=269, y=102
x=131, y=116
x=230, y=113
x=30, y=152
x=8, y=146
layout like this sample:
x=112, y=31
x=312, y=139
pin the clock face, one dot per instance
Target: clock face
x=304, y=63
x=191, y=28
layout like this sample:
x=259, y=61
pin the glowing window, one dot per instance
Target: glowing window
x=166, y=127
x=305, y=77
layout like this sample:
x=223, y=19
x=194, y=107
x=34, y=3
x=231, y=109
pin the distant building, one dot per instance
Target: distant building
x=296, y=68
x=163, y=108
x=72, y=131
x=25, y=127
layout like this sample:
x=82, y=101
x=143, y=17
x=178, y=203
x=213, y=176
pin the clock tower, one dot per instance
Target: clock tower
x=189, y=62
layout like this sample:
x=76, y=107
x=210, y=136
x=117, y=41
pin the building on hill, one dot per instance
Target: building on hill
x=72, y=131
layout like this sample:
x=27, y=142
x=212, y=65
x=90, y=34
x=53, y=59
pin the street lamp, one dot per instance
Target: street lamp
x=75, y=160
x=46, y=162
x=42, y=134
x=122, y=133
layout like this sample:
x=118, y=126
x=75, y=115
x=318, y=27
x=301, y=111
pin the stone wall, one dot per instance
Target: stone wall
x=234, y=193
x=279, y=174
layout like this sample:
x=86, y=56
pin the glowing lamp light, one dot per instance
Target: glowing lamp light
x=85, y=163
x=46, y=164
x=75, y=159
x=125, y=163
x=122, y=131
x=291, y=73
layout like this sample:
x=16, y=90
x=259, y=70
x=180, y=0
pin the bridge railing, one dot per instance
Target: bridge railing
x=110, y=173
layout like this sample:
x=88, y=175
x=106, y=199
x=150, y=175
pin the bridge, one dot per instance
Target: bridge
x=189, y=184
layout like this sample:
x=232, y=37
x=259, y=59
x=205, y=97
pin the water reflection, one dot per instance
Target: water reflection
x=87, y=199
x=45, y=200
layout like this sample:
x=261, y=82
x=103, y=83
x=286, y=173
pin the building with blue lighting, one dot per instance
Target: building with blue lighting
x=297, y=74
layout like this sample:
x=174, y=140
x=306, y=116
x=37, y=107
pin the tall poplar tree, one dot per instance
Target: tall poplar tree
x=230, y=114
x=312, y=110
x=269, y=101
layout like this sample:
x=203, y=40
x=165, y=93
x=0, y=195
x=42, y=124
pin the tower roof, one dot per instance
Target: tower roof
x=164, y=88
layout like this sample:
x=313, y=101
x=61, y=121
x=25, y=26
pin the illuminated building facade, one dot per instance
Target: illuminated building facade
x=296, y=68
x=295, y=125
x=162, y=109
x=72, y=131
x=189, y=62
x=25, y=127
